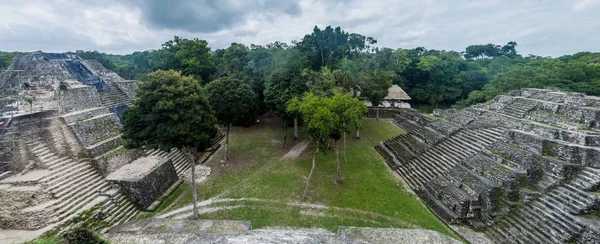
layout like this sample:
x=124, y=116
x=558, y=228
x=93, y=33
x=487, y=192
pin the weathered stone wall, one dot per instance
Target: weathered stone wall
x=111, y=161
x=145, y=179
x=96, y=129
x=16, y=211
x=79, y=98
x=97, y=69
x=83, y=115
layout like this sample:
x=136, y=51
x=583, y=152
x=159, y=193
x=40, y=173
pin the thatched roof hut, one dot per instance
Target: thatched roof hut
x=396, y=93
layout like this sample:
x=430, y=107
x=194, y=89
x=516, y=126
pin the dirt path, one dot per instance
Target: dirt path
x=296, y=150
x=208, y=206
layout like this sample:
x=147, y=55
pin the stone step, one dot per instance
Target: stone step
x=59, y=163
x=62, y=165
x=572, y=192
x=42, y=151
x=60, y=177
x=130, y=212
x=63, y=187
x=73, y=117
x=556, y=216
x=417, y=178
x=410, y=182
x=548, y=222
x=500, y=235
x=532, y=228
x=82, y=199
x=436, y=157
x=545, y=223
x=125, y=211
x=517, y=233
x=567, y=203
x=76, y=187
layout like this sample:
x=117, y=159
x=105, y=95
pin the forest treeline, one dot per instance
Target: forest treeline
x=431, y=77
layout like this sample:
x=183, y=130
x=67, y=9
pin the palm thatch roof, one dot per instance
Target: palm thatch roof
x=396, y=93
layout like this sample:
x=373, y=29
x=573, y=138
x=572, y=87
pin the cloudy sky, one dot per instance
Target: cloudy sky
x=540, y=27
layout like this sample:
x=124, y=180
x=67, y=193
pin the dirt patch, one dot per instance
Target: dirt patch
x=202, y=172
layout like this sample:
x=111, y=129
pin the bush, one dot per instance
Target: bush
x=82, y=235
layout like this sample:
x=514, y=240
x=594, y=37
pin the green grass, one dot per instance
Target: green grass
x=369, y=195
x=47, y=240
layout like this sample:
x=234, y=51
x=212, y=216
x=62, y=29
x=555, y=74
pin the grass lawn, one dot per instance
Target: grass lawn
x=268, y=190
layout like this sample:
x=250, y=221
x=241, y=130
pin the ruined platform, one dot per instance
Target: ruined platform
x=231, y=231
x=523, y=167
x=145, y=179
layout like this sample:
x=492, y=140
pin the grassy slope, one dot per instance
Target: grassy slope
x=256, y=171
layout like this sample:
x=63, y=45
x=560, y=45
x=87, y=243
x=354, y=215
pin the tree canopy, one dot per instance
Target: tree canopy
x=431, y=77
x=170, y=111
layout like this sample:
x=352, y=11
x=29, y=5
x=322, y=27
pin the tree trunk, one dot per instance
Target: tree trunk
x=295, y=128
x=227, y=143
x=345, y=159
x=337, y=161
x=312, y=169
x=377, y=113
x=328, y=143
x=195, y=199
x=284, y=133
x=357, y=135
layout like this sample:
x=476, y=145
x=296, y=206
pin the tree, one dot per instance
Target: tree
x=191, y=57
x=282, y=85
x=375, y=86
x=170, y=111
x=347, y=76
x=234, y=103
x=318, y=121
x=349, y=111
x=63, y=86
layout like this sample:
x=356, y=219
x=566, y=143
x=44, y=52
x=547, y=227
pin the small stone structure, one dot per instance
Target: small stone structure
x=145, y=179
x=523, y=167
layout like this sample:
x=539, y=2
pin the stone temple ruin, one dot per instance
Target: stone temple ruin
x=57, y=151
x=523, y=167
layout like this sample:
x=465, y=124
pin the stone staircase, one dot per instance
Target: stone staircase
x=519, y=108
x=549, y=219
x=440, y=158
x=75, y=185
x=114, y=97
x=118, y=209
x=180, y=159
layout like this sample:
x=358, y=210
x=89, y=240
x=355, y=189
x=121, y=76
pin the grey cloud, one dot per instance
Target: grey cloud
x=541, y=27
x=208, y=16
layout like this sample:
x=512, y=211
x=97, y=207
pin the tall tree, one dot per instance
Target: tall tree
x=282, y=85
x=375, y=86
x=191, y=57
x=170, y=111
x=347, y=76
x=347, y=110
x=234, y=103
x=318, y=121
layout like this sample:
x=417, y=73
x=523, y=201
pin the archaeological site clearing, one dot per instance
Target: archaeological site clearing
x=523, y=167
